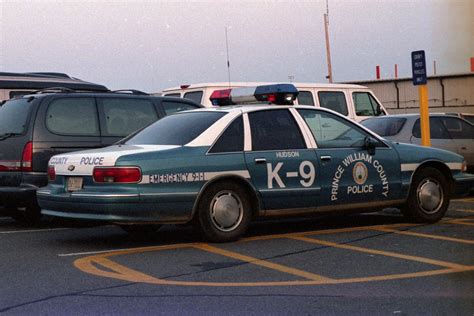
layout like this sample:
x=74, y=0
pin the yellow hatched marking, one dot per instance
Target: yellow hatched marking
x=384, y=253
x=266, y=264
x=409, y=233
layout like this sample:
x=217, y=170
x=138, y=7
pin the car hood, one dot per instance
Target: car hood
x=410, y=153
x=83, y=162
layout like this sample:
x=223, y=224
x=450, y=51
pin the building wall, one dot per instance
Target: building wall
x=453, y=93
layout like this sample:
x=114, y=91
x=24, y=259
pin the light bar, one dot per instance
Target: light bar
x=282, y=94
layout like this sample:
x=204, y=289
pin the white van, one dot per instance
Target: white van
x=355, y=101
x=17, y=84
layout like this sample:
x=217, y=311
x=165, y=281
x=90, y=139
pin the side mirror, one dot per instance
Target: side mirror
x=370, y=144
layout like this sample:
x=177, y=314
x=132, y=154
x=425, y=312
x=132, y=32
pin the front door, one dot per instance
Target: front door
x=282, y=168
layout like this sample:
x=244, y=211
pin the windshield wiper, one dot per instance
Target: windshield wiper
x=7, y=135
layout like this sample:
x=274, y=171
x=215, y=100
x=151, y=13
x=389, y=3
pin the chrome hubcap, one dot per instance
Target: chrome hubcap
x=226, y=211
x=430, y=196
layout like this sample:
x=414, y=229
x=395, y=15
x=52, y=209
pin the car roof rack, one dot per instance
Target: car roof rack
x=54, y=90
x=132, y=91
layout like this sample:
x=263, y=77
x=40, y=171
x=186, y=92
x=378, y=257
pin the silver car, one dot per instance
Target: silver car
x=447, y=132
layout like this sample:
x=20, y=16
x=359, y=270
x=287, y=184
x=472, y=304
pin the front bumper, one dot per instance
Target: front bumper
x=463, y=185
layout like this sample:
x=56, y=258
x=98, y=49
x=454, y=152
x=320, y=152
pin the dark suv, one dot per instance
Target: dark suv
x=37, y=126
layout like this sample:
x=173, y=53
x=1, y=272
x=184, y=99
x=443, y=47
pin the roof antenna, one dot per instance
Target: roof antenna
x=328, y=50
x=227, y=50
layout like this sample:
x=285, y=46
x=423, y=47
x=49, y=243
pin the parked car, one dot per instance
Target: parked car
x=14, y=84
x=354, y=101
x=37, y=126
x=446, y=131
x=218, y=168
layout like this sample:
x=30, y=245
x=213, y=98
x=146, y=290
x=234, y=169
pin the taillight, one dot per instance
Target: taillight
x=51, y=173
x=16, y=165
x=27, y=157
x=117, y=174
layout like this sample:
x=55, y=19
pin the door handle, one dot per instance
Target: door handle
x=260, y=160
x=325, y=158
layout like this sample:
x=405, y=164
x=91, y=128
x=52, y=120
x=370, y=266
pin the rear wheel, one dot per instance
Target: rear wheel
x=428, y=199
x=224, y=212
x=27, y=215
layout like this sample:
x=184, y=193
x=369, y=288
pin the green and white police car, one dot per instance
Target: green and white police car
x=219, y=168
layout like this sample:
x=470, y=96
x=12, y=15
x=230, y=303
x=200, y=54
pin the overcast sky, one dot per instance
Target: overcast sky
x=152, y=45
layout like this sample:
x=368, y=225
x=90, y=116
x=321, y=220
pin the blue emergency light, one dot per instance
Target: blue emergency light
x=281, y=94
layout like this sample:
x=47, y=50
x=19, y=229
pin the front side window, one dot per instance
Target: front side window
x=124, y=116
x=232, y=140
x=73, y=116
x=437, y=129
x=458, y=129
x=331, y=131
x=14, y=116
x=333, y=100
x=275, y=130
x=305, y=98
x=176, y=129
x=387, y=126
x=365, y=104
x=172, y=107
x=195, y=96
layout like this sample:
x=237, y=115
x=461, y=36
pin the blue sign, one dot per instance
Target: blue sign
x=418, y=66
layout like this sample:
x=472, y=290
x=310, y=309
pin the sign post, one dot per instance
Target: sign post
x=418, y=65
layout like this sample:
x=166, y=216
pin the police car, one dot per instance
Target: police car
x=219, y=168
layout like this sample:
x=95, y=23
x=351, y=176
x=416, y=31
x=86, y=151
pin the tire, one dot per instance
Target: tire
x=224, y=212
x=28, y=215
x=141, y=231
x=429, y=196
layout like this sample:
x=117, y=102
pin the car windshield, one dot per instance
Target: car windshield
x=387, y=126
x=14, y=116
x=176, y=129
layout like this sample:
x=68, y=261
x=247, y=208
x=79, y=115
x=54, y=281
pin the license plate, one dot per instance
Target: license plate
x=74, y=184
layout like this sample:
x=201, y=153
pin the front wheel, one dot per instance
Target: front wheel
x=428, y=199
x=224, y=212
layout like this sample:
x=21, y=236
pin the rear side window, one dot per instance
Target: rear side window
x=232, y=139
x=458, y=129
x=305, y=98
x=333, y=100
x=386, y=126
x=365, y=104
x=73, y=116
x=174, y=95
x=14, y=116
x=176, y=129
x=172, y=107
x=437, y=129
x=126, y=115
x=274, y=130
x=195, y=96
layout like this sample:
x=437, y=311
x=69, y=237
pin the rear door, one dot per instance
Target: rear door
x=462, y=134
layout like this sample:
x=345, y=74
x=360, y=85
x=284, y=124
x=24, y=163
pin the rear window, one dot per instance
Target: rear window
x=176, y=129
x=14, y=116
x=386, y=126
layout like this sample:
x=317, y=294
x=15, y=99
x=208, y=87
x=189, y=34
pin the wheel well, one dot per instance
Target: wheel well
x=441, y=167
x=254, y=199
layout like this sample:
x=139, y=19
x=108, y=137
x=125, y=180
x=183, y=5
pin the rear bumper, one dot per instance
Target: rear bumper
x=117, y=208
x=23, y=195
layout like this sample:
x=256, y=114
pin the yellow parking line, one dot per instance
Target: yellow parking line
x=384, y=253
x=409, y=233
x=469, y=199
x=266, y=264
x=461, y=222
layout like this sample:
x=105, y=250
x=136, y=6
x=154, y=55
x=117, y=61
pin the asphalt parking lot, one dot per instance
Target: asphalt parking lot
x=369, y=263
